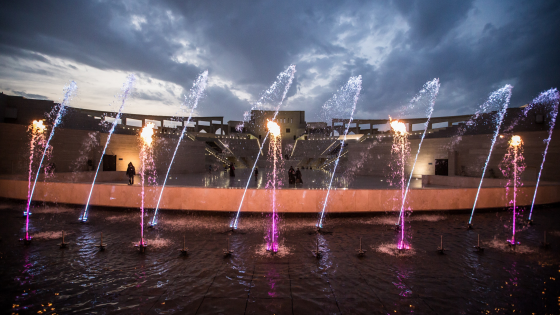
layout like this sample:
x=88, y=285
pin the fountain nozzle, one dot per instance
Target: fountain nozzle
x=317, y=252
x=227, y=251
x=63, y=244
x=142, y=245
x=101, y=246
x=184, y=250
x=360, y=251
x=477, y=247
x=441, y=249
x=469, y=226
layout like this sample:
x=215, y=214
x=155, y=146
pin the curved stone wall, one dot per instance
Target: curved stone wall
x=258, y=200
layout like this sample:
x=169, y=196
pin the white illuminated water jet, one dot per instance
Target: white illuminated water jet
x=549, y=100
x=280, y=86
x=126, y=91
x=191, y=101
x=69, y=92
x=499, y=100
x=344, y=101
x=430, y=90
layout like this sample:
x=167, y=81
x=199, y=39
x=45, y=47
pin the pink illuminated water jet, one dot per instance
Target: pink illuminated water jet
x=512, y=165
x=400, y=149
x=146, y=170
x=275, y=151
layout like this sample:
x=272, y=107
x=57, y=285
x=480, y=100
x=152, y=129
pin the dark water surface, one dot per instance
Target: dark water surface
x=43, y=279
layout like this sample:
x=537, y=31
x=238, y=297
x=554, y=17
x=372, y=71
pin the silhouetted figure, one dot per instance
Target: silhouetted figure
x=231, y=170
x=50, y=168
x=256, y=173
x=130, y=171
x=298, y=176
x=291, y=176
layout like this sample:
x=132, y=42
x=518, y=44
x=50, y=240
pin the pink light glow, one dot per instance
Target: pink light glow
x=147, y=168
x=512, y=165
x=400, y=149
x=274, y=150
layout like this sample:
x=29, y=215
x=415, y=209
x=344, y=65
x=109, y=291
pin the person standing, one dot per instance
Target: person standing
x=130, y=171
x=231, y=170
x=291, y=176
x=256, y=173
x=298, y=176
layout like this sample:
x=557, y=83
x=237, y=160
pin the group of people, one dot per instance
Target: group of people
x=294, y=177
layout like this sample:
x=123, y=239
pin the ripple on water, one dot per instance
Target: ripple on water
x=391, y=249
x=156, y=243
x=51, y=235
x=283, y=251
x=503, y=246
x=57, y=209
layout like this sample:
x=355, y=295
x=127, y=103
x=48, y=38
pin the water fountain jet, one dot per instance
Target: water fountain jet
x=549, y=99
x=69, y=92
x=191, y=101
x=400, y=148
x=499, y=97
x=512, y=166
x=431, y=89
x=344, y=102
x=283, y=79
x=126, y=91
x=275, y=150
x=147, y=161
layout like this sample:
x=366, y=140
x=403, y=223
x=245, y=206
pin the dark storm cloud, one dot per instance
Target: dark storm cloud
x=32, y=96
x=473, y=47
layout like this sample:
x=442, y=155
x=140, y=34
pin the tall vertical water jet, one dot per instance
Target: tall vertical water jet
x=498, y=100
x=126, y=91
x=512, y=166
x=400, y=149
x=190, y=103
x=429, y=92
x=274, y=150
x=548, y=103
x=37, y=133
x=60, y=110
x=279, y=87
x=342, y=103
x=146, y=168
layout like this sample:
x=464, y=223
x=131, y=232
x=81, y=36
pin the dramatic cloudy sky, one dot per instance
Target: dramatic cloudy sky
x=474, y=47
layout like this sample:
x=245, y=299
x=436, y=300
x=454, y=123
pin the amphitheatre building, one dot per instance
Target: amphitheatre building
x=445, y=177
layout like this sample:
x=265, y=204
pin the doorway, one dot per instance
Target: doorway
x=441, y=167
x=109, y=163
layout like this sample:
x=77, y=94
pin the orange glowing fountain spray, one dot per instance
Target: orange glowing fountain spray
x=275, y=149
x=401, y=148
x=146, y=157
x=512, y=166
